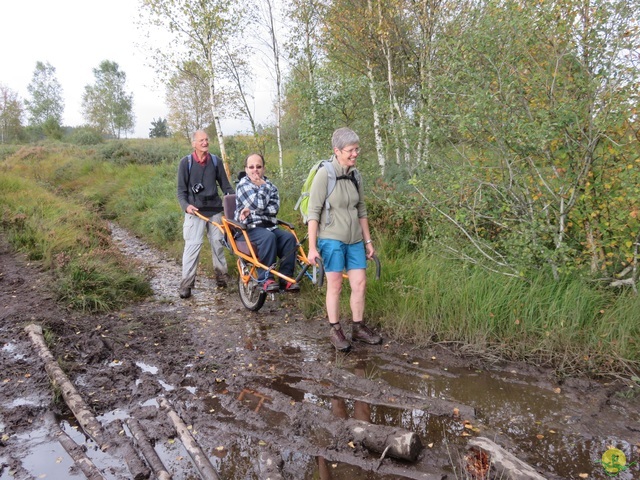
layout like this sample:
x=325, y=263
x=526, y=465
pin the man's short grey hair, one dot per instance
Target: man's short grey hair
x=344, y=137
x=193, y=135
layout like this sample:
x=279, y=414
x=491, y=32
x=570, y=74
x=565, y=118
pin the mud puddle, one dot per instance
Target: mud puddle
x=269, y=384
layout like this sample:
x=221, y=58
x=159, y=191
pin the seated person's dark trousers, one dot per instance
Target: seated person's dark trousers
x=273, y=244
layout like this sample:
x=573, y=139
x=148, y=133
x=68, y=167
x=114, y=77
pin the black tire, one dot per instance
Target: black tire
x=251, y=294
x=319, y=273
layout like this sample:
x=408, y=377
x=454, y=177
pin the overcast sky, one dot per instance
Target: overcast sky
x=74, y=36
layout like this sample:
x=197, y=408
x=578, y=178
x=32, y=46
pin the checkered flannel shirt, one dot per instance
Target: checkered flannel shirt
x=263, y=202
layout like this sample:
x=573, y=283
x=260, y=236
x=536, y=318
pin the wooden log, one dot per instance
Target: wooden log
x=508, y=466
x=72, y=398
x=396, y=442
x=201, y=461
x=147, y=450
x=138, y=469
x=75, y=451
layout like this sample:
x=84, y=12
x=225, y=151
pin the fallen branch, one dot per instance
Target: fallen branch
x=72, y=398
x=147, y=450
x=507, y=464
x=137, y=467
x=76, y=452
x=195, y=452
x=391, y=441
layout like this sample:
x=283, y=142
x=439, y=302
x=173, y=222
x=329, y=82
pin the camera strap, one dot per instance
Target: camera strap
x=190, y=162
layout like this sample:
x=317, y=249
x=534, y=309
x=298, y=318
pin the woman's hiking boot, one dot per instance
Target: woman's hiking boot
x=361, y=333
x=338, y=340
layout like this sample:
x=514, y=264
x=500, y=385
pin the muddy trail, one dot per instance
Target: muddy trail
x=264, y=395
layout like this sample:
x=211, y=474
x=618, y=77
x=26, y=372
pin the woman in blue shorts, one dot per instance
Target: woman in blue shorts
x=339, y=234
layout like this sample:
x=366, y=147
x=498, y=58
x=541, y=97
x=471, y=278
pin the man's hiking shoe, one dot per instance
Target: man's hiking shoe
x=222, y=280
x=185, y=292
x=291, y=287
x=361, y=333
x=270, y=286
x=338, y=340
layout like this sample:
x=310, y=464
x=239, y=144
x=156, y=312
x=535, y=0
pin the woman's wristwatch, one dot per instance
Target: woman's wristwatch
x=368, y=242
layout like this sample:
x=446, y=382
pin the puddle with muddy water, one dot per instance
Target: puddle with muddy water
x=534, y=421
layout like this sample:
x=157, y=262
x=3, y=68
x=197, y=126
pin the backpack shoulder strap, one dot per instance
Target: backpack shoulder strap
x=331, y=177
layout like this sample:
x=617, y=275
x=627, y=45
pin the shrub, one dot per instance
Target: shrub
x=85, y=136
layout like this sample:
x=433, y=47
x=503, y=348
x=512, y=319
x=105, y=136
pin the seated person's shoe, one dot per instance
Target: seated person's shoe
x=270, y=286
x=291, y=287
x=185, y=292
x=338, y=340
x=361, y=333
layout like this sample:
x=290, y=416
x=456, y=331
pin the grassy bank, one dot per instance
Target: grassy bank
x=573, y=325
x=69, y=240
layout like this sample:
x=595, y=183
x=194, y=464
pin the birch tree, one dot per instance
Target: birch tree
x=46, y=101
x=106, y=105
x=306, y=55
x=187, y=97
x=201, y=32
x=269, y=18
x=11, y=113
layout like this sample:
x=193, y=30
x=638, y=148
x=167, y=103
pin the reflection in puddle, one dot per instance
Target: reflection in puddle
x=537, y=420
x=166, y=386
x=11, y=349
x=147, y=368
x=45, y=458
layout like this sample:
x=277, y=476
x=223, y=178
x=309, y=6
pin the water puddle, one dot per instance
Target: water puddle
x=44, y=458
x=147, y=368
x=538, y=421
x=533, y=420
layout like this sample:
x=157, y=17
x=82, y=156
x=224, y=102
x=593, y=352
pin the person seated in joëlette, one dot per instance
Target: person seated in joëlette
x=257, y=205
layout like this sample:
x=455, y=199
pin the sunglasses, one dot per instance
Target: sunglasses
x=251, y=167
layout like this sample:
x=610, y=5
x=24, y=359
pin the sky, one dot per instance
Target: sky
x=75, y=36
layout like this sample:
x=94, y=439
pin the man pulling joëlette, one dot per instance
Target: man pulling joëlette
x=199, y=175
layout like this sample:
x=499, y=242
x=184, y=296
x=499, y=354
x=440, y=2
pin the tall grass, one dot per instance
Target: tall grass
x=568, y=324
x=69, y=240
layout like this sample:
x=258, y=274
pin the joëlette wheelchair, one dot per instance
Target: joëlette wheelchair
x=250, y=286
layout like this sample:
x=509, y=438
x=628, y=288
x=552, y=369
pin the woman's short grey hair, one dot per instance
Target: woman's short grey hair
x=344, y=137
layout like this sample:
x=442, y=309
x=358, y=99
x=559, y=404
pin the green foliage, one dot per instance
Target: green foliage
x=570, y=323
x=85, y=136
x=96, y=284
x=106, y=105
x=52, y=129
x=401, y=211
x=46, y=105
x=11, y=113
x=7, y=150
x=159, y=128
x=124, y=152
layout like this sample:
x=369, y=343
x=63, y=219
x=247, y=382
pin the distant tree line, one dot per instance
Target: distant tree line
x=106, y=106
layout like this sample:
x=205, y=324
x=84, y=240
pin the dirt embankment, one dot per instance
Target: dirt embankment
x=264, y=395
